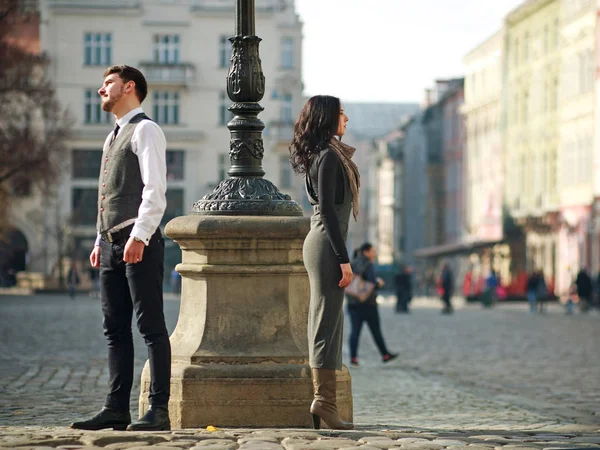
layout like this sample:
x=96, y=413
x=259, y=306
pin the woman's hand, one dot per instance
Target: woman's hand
x=380, y=282
x=346, y=275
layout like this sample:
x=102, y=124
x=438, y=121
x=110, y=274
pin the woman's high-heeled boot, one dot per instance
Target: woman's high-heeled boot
x=324, y=405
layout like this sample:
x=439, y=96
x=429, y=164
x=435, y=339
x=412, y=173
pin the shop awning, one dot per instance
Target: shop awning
x=455, y=249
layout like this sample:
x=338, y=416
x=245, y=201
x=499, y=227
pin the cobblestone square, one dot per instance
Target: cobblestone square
x=497, y=372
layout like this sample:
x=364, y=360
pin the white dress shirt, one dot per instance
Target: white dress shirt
x=150, y=145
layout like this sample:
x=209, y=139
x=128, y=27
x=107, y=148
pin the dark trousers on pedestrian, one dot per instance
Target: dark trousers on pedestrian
x=363, y=312
x=125, y=288
x=402, y=300
x=447, y=303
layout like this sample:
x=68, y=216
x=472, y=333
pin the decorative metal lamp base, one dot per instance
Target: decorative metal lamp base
x=247, y=196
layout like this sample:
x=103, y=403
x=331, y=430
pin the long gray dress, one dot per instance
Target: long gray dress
x=324, y=250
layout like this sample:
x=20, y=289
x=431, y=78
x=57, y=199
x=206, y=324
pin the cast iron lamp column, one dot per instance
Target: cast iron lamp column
x=246, y=192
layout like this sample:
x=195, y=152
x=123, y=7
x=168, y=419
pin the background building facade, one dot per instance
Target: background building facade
x=484, y=162
x=577, y=107
x=369, y=122
x=531, y=141
x=183, y=50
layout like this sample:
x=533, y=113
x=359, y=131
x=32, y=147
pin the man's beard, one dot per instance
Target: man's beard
x=110, y=104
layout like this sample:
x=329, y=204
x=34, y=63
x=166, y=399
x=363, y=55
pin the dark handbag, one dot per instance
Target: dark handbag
x=360, y=289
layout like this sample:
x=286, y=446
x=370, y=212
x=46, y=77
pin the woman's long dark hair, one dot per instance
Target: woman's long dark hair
x=316, y=125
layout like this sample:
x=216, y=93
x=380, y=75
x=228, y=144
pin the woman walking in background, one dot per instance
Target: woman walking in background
x=332, y=184
x=366, y=311
x=532, y=286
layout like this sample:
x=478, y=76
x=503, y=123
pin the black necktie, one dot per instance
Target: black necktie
x=115, y=132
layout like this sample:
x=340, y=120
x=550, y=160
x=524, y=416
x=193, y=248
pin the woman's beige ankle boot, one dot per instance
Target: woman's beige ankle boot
x=324, y=405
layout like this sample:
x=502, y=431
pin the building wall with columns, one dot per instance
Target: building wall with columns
x=576, y=138
x=454, y=165
x=531, y=115
x=182, y=49
x=415, y=187
x=483, y=149
x=390, y=173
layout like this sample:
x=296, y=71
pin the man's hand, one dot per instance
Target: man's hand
x=346, y=275
x=95, y=257
x=380, y=282
x=134, y=251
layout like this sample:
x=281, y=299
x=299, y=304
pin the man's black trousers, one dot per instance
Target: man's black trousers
x=126, y=288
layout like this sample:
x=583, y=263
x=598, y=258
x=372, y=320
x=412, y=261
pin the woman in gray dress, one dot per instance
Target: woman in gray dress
x=332, y=183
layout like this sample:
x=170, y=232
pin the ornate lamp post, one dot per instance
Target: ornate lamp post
x=246, y=192
x=239, y=351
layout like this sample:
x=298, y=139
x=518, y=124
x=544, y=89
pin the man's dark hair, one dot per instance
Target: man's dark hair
x=127, y=74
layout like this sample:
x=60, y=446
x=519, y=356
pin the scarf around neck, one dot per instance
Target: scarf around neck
x=345, y=152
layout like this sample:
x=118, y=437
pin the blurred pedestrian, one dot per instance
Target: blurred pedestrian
x=73, y=279
x=532, y=284
x=447, y=288
x=94, y=280
x=490, y=293
x=367, y=310
x=403, y=282
x=332, y=183
x=584, y=289
x=572, y=299
x=541, y=292
x=175, y=282
x=596, y=297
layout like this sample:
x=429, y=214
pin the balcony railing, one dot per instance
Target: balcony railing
x=101, y=4
x=228, y=5
x=168, y=74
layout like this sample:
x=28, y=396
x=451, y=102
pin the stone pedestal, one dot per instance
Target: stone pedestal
x=239, y=350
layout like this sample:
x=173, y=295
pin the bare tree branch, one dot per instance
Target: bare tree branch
x=33, y=127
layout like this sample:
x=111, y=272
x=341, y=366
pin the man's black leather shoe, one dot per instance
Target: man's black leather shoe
x=155, y=419
x=106, y=418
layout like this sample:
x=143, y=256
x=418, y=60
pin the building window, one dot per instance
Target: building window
x=555, y=95
x=525, y=107
x=556, y=34
x=166, y=48
x=287, y=53
x=174, y=205
x=285, y=111
x=224, y=51
x=224, y=114
x=516, y=52
x=546, y=39
x=92, y=111
x=86, y=164
x=285, y=172
x=97, y=49
x=175, y=165
x=526, y=47
x=84, y=202
x=166, y=107
x=223, y=157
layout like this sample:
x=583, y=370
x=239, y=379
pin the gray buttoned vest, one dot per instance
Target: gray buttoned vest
x=120, y=186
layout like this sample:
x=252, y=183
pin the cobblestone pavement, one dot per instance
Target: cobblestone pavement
x=499, y=378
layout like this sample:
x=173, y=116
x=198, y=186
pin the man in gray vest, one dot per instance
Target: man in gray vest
x=129, y=251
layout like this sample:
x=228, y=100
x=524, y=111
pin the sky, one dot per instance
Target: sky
x=391, y=50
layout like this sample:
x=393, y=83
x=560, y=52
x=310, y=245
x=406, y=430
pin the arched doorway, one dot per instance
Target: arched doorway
x=13, y=256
